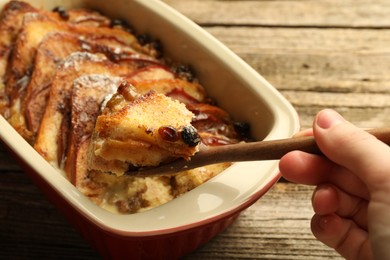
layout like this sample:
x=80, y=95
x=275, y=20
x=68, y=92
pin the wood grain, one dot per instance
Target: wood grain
x=294, y=13
x=349, y=75
x=318, y=54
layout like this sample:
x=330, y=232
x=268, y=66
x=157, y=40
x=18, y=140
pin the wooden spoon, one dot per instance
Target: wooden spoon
x=253, y=151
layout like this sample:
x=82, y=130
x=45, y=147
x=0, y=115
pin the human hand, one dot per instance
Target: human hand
x=352, y=198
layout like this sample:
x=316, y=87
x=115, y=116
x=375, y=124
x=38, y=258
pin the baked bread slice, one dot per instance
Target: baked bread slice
x=51, y=53
x=51, y=137
x=11, y=21
x=34, y=29
x=141, y=130
x=88, y=93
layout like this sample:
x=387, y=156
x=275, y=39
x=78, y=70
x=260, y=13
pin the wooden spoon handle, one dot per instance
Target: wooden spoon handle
x=253, y=151
x=276, y=149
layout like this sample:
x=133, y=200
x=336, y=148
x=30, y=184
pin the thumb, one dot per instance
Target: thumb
x=354, y=149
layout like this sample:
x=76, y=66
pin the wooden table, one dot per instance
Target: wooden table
x=318, y=54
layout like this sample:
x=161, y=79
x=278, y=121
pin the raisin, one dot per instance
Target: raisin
x=185, y=72
x=144, y=39
x=127, y=91
x=190, y=136
x=243, y=129
x=168, y=133
x=62, y=12
x=122, y=24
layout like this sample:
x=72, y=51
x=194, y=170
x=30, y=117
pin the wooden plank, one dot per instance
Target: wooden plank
x=346, y=69
x=362, y=117
x=362, y=100
x=332, y=60
x=298, y=13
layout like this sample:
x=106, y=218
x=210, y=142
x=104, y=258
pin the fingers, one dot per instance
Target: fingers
x=356, y=171
x=300, y=167
x=353, y=149
x=306, y=132
x=297, y=167
x=368, y=159
x=343, y=235
x=328, y=199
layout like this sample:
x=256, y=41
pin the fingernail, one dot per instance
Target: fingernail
x=327, y=118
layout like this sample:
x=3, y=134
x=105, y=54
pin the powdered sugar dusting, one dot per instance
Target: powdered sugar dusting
x=74, y=58
x=95, y=80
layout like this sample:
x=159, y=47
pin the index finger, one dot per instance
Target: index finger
x=310, y=169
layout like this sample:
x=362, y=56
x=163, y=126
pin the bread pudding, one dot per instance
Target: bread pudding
x=141, y=132
x=96, y=100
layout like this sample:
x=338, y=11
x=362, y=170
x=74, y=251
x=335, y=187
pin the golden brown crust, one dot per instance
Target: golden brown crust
x=35, y=27
x=10, y=23
x=51, y=53
x=132, y=133
x=88, y=89
x=51, y=137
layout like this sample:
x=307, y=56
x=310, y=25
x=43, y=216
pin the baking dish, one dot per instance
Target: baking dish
x=180, y=226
